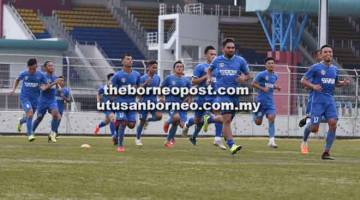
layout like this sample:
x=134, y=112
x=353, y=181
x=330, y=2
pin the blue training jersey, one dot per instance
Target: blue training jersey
x=49, y=94
x=228, y=70
x=200, y=71
x=172, y=81
x=123, y=79
x=30, y=87
x=266, y=79
x=60, y=101
x=155, y=82
x=326, y=76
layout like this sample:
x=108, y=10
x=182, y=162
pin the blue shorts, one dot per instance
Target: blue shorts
x=144, y=113
x=265, y=109
x=183, y=115
x=200, y=102
x=228, y=99
x=320, y=110
x=128, y=116
x=108, y=112
x=46, y=106
x=28, y=104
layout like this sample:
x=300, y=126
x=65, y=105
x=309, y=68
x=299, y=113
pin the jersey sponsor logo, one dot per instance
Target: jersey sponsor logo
x=269, y=85
x=323, y=72
x=328, y=80
x=228, y=72
x=221, y=65
x=30, y=84
x=123, y=80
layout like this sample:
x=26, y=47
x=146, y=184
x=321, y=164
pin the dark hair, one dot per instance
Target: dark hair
x=227, y=40
x=151, y=62
x=208, y=48
x=63, y=77
x=325, y=46
x=269, y=58
x=316, y=51
x=177, y=62
x=47, y=62
x=31, y=62
x=109, y=76
x=124, y=55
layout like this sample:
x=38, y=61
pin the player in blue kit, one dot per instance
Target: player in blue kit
x=32, y=82
x=231, y=71
x=150, y=79
x=199, y=80
x=125, y=118
x=265, y=83
x=47, y=102
x=62, y=96
x=109, y=114
x=322, y=78
x=176, y=117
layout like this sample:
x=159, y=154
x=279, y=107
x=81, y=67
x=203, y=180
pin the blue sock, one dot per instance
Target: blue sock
x=55, y=125
x=211, y=120
x=121, y=134
x=36, y=123
x=197, y=130
x=23, y=120
x=172, y=132
x=29, y=125
x=218, y=129
x=190, y=122
x=329, y=140
x=139, y=130
x=102, y=124
x=230, y=143
x=306, y=132
x=112, y=129
x=271, y=129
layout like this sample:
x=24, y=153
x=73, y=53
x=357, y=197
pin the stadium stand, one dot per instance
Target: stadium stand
x=32, y=20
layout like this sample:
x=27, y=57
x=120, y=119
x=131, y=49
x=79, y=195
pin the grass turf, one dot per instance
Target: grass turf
x=63, y=170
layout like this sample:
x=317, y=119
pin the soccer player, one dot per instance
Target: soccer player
x=62, y=96
x=231, y=70
x=176, y=117
x=199, y=80
x=322, y=79
x=32, y=82
x=47, y=102
x=150, y=79
x=109, y=115
x=125, y=118
x=264, y=82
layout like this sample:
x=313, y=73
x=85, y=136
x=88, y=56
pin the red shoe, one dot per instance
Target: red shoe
x=120, y=149
x=169, y=144
x=97, y=129
x=166, y=127
x=173, y=141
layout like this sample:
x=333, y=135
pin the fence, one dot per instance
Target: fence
x=81, y=115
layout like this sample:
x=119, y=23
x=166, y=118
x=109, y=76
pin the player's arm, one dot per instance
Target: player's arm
x=306, y=83
x=50, y=85
x=255, y=84
x=16, y=84
x=245, y=71
x=343, y=83
x=197, y=81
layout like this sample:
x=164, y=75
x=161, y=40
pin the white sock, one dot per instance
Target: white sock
x=217, y=139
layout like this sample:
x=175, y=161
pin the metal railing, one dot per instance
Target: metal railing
x=202, y=9
x=20, y=19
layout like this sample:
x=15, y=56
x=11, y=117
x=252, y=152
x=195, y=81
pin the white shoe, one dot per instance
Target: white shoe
x=185, y=131
x=272, y=144
x=138, y=142
x=52, y=137
x=220, y=145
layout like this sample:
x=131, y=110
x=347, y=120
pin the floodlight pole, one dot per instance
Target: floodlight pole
x=323, y=23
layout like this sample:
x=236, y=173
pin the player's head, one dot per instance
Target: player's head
x=62, y=82
x=32, y=65
x=228, y=47
x=326, y=53
x=210, y=53
x=49, y=66
x=317, y=55
x=269, y=63
x=178, y=68
x=152, y=67
x=127, y=60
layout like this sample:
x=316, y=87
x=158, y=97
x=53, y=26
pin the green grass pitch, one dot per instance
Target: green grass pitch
x=65, y=171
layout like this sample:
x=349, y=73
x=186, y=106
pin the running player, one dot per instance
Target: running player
x=47, y=102
x=199, y=80
x=231, y=70
x=125, y=118
x=32, y=82
x=150, y=79
x=176, y=117
x=322, y=79
x=264, y=82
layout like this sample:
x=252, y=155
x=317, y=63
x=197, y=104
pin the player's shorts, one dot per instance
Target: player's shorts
x=324, y=109
x=28, y=104
x=200, y=102
x=128, y=116
x=46, y=105
x=265, y=110
x=107, y=113
x=227, y=99
x=182, y=114
x=144, y=113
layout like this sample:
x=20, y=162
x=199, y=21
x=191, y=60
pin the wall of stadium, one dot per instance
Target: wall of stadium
x=13, y=29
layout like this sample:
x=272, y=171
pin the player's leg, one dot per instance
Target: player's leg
x=103, y=123
x=304, y=120
x=22, y=121
x=331, y=116
x=168, y=121
x=40, y=113
x=175, y=116
x=140, y=127
x=198, y=121
x=55, y=122
x=27, y=107
x=227, y=117
x=218, y=132
x=121, y=122
x=271, y=119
